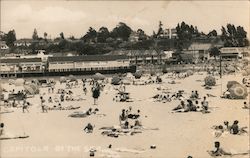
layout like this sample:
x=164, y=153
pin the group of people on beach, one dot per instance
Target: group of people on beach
x=232, y=129
x=126, y=116
x=192, y=104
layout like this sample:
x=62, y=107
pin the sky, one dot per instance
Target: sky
x=75, y=17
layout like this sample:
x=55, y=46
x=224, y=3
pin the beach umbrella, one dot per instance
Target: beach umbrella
x=237, y=91
x=11, y=81
x=244, y=73
x=247, y=69
x=190, y=72
x=138, y=74
x=210, y=81
x=152, y=73
x=129, y=75
x=98, y=76
x=116, y=80
x=31, y=89
x=35, y=81
x=72, y=78
x=230, y=68
x=231, y=83
x=19, y=82
x=62, y=79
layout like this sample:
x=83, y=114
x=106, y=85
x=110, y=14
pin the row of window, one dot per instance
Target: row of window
x=89, y=69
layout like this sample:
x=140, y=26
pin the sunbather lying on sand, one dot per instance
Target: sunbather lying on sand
x=84, y=113
x=218, y=151
x=4, y=135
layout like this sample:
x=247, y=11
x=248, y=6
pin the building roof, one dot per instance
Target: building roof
x=148, y=52
x=2, y=43
x=25, y=40
x=229, y=50
x=20, y=60
x=88, y=58
x=186, y=56
x=200, y=46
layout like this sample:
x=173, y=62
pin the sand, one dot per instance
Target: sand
x=54, y=134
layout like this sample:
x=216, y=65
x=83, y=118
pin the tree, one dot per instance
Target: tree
x=10, y=38
x=121, y=31
x=214, y=52
x=90, y=36
x=103, y=34
x=234, y=36
x=212, y=33
x=35, y=35
x=45, y=35
x=62, y=35
x=160, y=30
x=142, y=35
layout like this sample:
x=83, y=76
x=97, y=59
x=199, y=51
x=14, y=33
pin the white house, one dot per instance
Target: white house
x=3, y=45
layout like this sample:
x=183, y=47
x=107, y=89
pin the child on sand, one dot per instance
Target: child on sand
x=25, y=106
x=89, y=128
x=246, y=106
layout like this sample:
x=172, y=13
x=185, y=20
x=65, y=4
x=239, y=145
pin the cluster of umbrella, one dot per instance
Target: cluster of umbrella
x=246, y=71
x=237, y=91
x=210, y=81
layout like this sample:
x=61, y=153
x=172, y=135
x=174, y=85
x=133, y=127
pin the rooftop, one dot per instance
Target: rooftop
x=88, y=58
x=200, y=46
x=20, y=60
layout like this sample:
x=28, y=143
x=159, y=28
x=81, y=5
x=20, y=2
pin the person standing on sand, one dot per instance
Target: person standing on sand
x=95, y=94
x=1, y=129
x=43, y=105
x=25, y=106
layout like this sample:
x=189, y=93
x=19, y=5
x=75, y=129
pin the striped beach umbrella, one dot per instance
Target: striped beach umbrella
x=238, y=91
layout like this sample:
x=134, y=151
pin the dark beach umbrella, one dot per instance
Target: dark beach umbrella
x=210, y=81
x=138, y=74
x=231, y=83
x=190, y=72
x=72, y=78
x=116, y=80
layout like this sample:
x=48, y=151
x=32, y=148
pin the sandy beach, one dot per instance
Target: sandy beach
x=54, y=134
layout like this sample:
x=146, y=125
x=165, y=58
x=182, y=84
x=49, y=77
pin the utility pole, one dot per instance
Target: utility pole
x=220, y=68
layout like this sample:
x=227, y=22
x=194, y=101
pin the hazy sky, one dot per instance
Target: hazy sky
x=75, y=17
